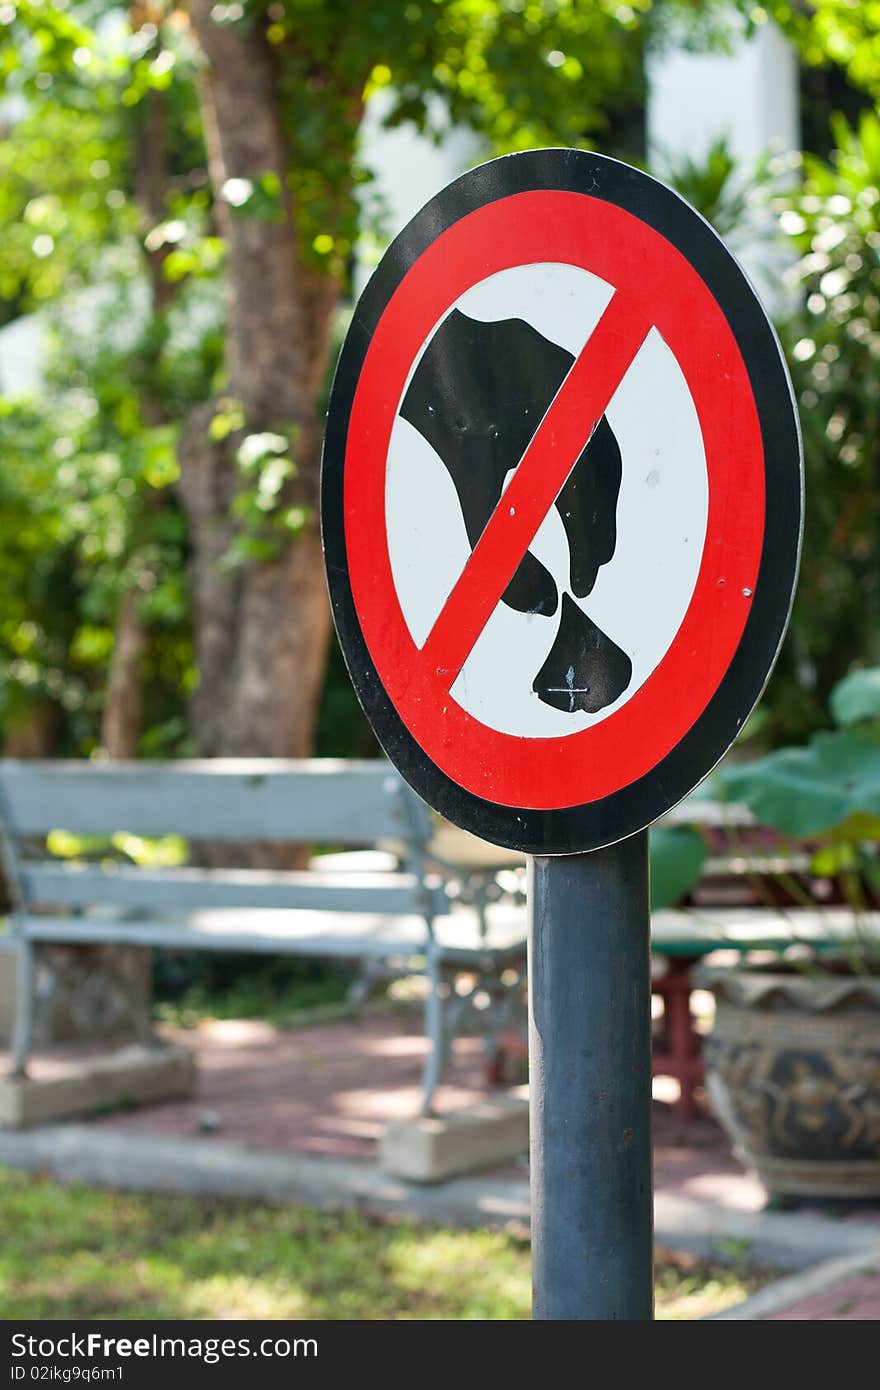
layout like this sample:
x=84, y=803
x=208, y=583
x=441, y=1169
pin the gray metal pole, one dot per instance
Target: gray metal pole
x=590, y=1084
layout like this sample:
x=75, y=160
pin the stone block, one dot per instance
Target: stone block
x=77, y=1083
x=431, y=1148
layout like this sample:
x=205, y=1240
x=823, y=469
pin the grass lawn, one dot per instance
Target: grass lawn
x=73, y=1252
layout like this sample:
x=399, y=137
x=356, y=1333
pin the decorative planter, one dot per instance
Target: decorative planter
x=793, y=1074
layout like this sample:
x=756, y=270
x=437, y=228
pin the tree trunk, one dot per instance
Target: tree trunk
x=121, y=719
x=262, y=628
x=36, y=735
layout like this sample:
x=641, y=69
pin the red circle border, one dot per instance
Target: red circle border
x=608, y=241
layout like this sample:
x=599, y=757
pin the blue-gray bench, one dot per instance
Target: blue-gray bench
x=397, y=920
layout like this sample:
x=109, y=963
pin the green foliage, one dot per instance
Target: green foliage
x=88, y=514
x=265, y=520
x=843, y=32
x=857, y=697
x=134, y=287
x=58, y=199
x=37, y=626
x=74, y=95
x=343, y=730
x=519, y=72
x=831, y=785
x=708, y=184
x=678, y=854
x=827, y=792
x=833, y=347
x=167, y=851
x=135, y=338
x=829, y=323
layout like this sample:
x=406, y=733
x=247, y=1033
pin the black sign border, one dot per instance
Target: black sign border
x=576, y=829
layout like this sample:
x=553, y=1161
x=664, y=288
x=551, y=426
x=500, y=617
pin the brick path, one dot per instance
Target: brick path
x=852, y=1300
x=326, y=1091
x=329, y=1091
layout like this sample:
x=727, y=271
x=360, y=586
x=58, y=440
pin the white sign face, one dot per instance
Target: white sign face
x=640, y=595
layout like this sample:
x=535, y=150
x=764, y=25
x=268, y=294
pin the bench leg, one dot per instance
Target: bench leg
x=435, y=1029
x=481, y=906
x=24, y=1008
x=684, y=1041
x=501, y=1033
x=362, y=985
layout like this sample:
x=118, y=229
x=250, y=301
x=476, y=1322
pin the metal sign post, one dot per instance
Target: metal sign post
x=562, y=501
x=590, y=1084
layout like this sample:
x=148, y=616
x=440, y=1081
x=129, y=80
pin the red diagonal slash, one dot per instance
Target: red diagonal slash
x=555, y=447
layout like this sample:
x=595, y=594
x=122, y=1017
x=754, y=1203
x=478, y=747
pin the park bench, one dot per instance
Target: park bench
x=397, y=919
x=411, y=897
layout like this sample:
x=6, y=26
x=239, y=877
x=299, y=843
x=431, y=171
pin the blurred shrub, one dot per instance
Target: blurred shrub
x=826, y=216
x=832, y=342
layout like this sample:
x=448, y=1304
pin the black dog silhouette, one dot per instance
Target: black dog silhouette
x=477, y=396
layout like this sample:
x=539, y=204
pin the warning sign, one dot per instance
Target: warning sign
x=556, y=423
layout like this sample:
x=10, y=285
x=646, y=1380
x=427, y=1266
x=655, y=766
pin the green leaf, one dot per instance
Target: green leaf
x=160, y=466
x=678, y=854
x=244, y=503
x=832, y=858
x=832, y=784
x=229, y=417
x=857, y=697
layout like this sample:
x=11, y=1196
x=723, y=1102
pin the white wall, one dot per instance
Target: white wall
x=408, y=170
x=750, y=96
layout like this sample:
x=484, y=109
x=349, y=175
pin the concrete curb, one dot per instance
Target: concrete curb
x=127, y=1075
x=785, y=1239
x=90, y=1154
x=787, y=1292
x=107, y=1157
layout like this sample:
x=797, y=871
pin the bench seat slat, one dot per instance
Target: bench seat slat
x=346, y=936
x=178, y=890
x=247, y=936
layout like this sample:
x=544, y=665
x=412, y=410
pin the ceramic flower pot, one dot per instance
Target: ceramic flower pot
x=793, y=1074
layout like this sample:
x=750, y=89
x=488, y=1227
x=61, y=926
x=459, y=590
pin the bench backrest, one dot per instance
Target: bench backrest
x=322, y=799
x=313, y=801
